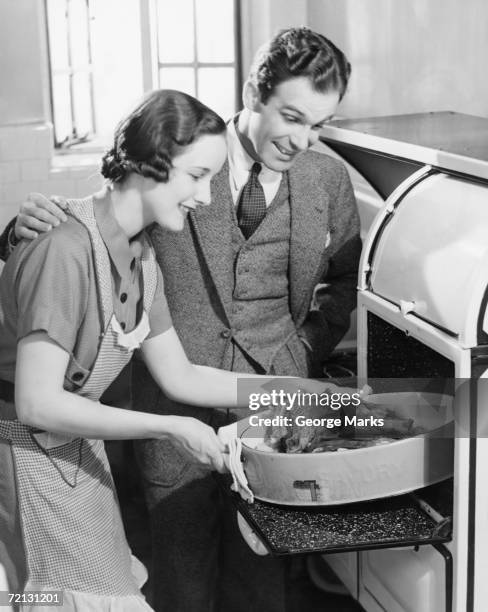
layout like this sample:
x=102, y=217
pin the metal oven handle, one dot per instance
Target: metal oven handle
x=381, y=221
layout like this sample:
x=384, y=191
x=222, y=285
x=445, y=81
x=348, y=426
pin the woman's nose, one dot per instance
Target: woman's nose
x=203, y=193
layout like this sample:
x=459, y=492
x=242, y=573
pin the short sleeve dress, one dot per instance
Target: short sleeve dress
x=98, y=296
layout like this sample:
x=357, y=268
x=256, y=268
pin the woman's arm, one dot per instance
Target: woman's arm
x=42, y=402
x=201, y=385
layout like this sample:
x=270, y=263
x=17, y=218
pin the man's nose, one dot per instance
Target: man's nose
x=313, y=137
x=303, y=138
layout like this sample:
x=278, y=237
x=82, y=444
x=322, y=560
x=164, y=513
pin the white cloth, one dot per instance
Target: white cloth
x=132, y=340
x=228, y=436
x=240, y=164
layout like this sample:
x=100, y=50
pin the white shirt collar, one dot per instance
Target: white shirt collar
x=240, y=163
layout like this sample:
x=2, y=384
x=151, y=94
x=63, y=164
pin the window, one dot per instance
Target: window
x=71, y=70
x=203, y=63
x=102, y=51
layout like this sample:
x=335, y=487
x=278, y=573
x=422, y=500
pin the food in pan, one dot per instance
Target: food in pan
x=310, y=430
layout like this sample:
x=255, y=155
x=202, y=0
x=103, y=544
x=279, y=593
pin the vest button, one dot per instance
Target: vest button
x=123, y=297
x=226, y=333
x=77, y=376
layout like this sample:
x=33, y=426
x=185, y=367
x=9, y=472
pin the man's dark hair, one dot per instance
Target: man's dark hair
x=147, y=141
x=300, y=52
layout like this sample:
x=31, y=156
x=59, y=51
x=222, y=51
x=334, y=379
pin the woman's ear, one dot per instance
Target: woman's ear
x=250, y=96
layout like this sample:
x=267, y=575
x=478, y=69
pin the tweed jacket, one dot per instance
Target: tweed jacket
x=197, y=263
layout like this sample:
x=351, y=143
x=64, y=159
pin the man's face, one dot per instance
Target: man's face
x=290, y=121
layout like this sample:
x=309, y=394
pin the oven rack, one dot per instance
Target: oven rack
x=385, y=523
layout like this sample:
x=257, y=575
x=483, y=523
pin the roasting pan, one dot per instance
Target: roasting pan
x=341, y=477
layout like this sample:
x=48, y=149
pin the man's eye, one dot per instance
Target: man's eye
x=322, y=124
x=290, y=118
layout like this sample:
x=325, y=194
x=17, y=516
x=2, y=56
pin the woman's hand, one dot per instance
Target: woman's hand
x=199, y=440
x=38, y=214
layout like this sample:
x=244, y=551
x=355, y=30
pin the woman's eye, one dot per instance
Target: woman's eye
x=195, y=177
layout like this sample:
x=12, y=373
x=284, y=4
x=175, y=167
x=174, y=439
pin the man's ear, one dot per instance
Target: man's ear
x=250, y=96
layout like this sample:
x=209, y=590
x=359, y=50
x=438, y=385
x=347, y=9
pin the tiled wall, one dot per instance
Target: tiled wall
x=28, y=163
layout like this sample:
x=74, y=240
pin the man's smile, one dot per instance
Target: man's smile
x=283, y=150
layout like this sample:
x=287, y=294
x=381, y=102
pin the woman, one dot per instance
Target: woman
x=74, y=305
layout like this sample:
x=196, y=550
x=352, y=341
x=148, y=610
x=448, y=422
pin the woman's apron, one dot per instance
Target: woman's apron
x=70, y=520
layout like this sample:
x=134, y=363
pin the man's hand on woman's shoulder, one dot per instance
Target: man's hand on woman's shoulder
x=39, y=214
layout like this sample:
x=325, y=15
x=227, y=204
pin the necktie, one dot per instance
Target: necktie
x=252, y=204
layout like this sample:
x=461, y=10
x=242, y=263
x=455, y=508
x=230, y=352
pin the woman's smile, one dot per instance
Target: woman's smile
x=185, y=207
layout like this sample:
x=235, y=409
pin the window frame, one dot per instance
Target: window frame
x=149, y=70
x=71, y=72
x=150, y=54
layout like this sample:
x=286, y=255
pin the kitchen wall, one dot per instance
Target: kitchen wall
x=261, y=19
x=414, y=56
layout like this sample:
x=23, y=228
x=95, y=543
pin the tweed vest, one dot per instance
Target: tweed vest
x=261, y=321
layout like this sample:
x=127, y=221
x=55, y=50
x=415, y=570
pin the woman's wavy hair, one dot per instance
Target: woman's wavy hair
x=300, y=52
x=147, y=141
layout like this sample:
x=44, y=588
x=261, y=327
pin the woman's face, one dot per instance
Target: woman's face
x=189, y=183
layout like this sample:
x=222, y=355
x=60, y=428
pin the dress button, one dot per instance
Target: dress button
x=77, y=376
x=226, y=333
x=123, y=297
x=122, y=325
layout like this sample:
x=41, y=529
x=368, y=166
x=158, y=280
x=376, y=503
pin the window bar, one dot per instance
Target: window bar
x=89, y=18
x=149, y=40
x=51, y=85
x=195, y=50
x=238, y=54
x=196, y=64
x=70, y=73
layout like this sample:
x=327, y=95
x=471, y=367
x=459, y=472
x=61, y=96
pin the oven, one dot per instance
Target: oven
x=421, y=315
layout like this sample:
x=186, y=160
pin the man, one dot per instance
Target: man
x=282, y=233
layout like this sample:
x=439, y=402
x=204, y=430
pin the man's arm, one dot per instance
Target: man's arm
x=7, y=242
x=36, y=215
x=336, y=294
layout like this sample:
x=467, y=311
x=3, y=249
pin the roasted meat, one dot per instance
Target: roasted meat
x=327, y=430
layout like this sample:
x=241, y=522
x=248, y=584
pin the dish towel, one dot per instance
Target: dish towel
x=228, y=436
